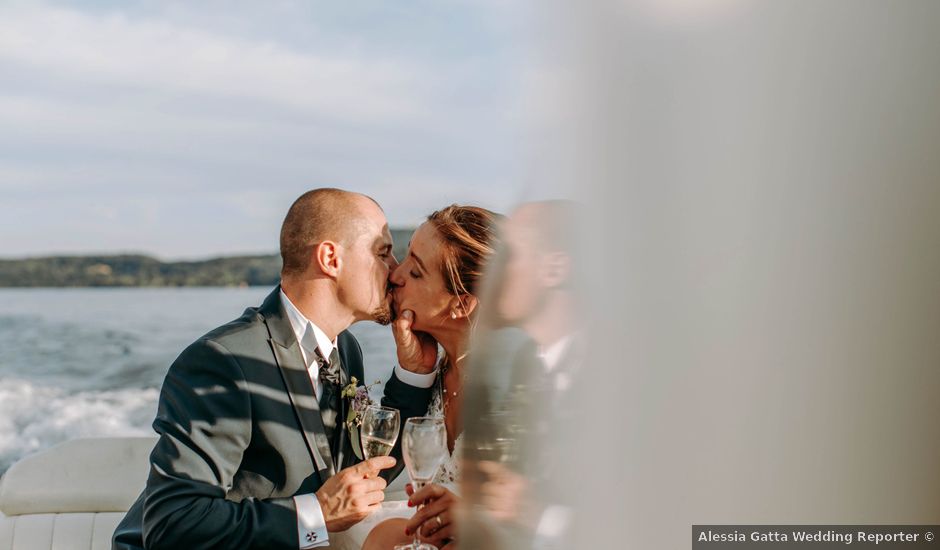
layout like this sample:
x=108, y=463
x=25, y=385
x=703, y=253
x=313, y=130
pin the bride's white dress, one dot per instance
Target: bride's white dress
x=448, y=475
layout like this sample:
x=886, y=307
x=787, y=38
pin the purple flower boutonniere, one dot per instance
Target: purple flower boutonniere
x=359, y=399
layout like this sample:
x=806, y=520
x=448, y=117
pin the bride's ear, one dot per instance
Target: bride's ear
x=463, y=306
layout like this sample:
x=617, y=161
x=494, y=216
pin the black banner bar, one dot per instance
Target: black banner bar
x=813, y=537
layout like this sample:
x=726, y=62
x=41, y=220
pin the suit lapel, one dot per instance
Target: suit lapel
x=339, y=452
x=297, y=380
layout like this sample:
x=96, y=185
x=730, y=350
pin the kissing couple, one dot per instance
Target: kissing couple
x=253, y=451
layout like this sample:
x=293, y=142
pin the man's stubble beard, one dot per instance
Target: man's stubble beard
x=382, y=315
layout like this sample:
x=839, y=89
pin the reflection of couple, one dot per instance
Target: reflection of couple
x=253, y=451
x=515, y=490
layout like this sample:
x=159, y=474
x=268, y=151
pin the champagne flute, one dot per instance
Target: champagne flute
x=378, y=431
x=424, y=446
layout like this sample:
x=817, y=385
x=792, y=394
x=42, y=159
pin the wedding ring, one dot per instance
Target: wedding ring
x=439, y=522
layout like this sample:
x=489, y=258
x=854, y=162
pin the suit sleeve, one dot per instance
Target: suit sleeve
x=204, y=424
x=410, y=401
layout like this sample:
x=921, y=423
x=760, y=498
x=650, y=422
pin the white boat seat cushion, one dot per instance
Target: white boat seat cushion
x=73, y=495
x=81, y=475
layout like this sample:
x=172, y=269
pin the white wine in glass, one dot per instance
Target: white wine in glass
x=424, y=446
x=379, y=431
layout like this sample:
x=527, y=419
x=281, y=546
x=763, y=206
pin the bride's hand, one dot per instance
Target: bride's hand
x=417, y=351
x=434, y=521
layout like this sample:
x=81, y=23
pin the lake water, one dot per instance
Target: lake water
x=90, y=361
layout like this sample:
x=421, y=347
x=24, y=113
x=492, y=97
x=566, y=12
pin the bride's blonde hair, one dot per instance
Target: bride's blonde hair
x=469, y=240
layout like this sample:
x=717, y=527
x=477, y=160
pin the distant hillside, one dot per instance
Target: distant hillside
x=139, y=270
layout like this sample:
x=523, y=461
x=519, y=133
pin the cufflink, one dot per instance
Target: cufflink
x=311, y=537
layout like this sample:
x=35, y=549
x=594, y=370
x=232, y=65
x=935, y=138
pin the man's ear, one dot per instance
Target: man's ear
x=555, y=268
x=462, y=306
x=327, y=257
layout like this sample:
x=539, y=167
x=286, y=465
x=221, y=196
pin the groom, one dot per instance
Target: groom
x=253, y=451
x=525, y=501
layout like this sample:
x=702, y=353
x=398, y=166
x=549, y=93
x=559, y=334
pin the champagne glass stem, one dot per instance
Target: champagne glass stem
x=417, y=485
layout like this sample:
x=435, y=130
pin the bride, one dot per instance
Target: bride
x=435, y=295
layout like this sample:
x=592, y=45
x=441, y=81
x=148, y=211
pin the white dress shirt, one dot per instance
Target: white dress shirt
x=311, y=525
x=556, y=518
x=551, y=356
x=310, y=338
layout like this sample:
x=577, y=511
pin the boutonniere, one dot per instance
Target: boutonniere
x=359, y=399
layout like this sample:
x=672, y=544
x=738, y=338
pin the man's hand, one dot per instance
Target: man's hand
x=353, y=493
x=417, y=351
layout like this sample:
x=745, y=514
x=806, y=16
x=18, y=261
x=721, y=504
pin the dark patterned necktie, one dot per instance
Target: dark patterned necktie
x=329, y=375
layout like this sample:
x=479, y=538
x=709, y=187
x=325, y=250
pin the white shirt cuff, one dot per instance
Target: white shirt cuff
x=311, y=525
x=415, y=379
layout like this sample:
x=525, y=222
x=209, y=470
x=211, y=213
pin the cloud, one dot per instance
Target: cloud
x=146, y=54
x=159, y=127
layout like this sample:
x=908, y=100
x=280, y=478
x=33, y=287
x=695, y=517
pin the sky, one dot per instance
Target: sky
x=185, y=129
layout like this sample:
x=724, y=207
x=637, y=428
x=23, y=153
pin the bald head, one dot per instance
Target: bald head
x=553, y=223
x=319, y=215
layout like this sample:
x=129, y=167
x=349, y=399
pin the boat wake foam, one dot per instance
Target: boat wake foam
x=34, y=417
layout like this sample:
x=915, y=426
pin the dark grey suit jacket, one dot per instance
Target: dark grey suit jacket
x=241, y=434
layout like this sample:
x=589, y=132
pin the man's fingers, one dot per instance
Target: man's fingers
x=369, y=468
x=427, y=341
x=369, y=492
x=401, y=327
x=373, y=498
x=374, y=484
